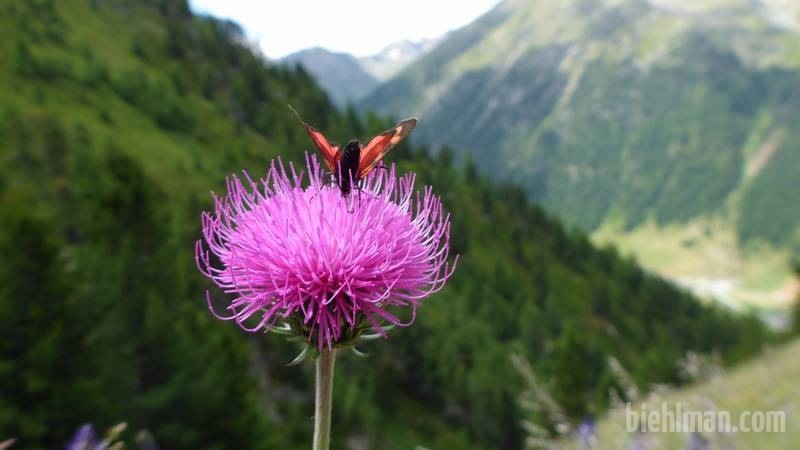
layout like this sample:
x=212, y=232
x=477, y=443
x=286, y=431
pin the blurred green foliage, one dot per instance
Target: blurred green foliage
x=118, y=119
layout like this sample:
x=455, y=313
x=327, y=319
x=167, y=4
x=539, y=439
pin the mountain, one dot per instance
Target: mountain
x=340, y=74
x=392, y=59
x=347, y=78
x=668, y=127
x=116, y=120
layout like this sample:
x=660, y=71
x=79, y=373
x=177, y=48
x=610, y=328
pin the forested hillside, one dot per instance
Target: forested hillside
x=118, y=117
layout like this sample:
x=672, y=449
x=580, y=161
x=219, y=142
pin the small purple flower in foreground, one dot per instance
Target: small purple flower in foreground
x=85, y=439
x=330, y=263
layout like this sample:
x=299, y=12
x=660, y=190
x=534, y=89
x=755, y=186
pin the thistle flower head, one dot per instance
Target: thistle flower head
x=291, y=248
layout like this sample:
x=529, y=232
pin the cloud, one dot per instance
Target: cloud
x=360, y=27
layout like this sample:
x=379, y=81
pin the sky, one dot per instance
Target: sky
x=359, y=27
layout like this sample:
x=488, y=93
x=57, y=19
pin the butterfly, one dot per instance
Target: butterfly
x=352, y=163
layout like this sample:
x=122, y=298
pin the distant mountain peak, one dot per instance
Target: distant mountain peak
x=396, y=56
x=347, y=78
x=340, y=74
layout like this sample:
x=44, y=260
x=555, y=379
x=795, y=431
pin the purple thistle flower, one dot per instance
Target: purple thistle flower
x=328, y=262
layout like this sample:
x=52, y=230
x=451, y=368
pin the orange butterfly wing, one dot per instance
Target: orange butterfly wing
x=380, y=145
x=329, y=151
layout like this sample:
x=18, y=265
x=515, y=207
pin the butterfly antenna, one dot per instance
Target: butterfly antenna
x=296, y=114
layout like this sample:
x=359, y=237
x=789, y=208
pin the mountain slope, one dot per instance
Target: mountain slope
x=626, y=112
x=763, y=384
x=340, y=74
x=118, y=117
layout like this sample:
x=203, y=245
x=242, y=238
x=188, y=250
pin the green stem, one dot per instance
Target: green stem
x=322, y=412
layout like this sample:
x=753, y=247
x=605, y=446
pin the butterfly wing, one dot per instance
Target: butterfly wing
x=381, y=144
x=329, y=151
